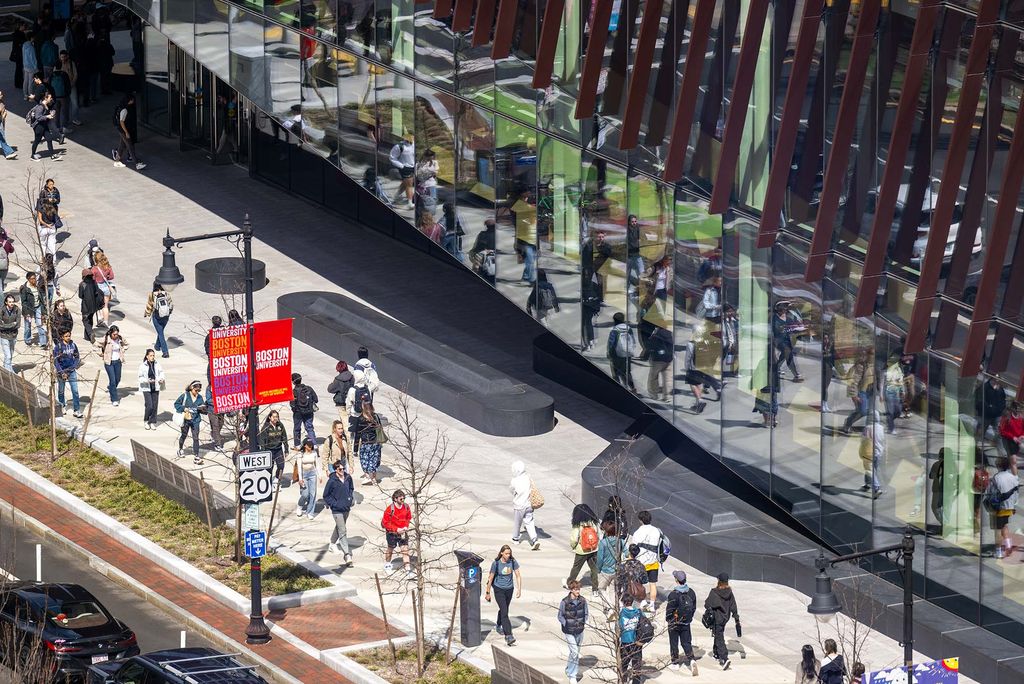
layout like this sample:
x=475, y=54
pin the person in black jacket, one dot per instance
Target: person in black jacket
x=303, y=407
x=679, y=610
x=989, y=402
x=572, y=616
x=722, y=604
x=339, y=388
x=92, y=302
x=833, y=670
x=338, y=496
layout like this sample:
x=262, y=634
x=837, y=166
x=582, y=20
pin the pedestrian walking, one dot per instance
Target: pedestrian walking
x=112, y=348
x=68, y=66
x=610, y=552
x=60, y=83
x=10, y=322
x=680, y=608
x=216, y=420
x=369, y=436
x=857, y=673
x=188, y=406
x=151, y=381
x=584, y=540
x=651, y=541
x=364, y=364
x=543, y=299
x=126, y=147
x=572, y=615
x=631, y=651
x=872, y=454
x=338, y=496
x=403, y=159
x=722, y=604
x=32, y=309
x=39, y=119
x=621, y=347
x=340, y=386
x=93, y=301
x=833, y=669
x=273, y=439
x=307, y=469
x=807, y=670
x=304, y=406
x=521, y=487
x=46, y=226
x=335, y=447
x=60, y=319
x=158, y=309
x=29, y=64
x=1000, y=497
x=66, y=360
x=18, y=40
x=504, y=579
x=395, y=521
x=6, y=250
x=358, y=394
x=5, y=147
x=103, y=276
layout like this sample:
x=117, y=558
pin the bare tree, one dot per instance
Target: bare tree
x=420, y=457
x=850, y=634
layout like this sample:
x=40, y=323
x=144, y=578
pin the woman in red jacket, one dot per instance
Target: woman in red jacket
x=1011, y=429
x=395, y=522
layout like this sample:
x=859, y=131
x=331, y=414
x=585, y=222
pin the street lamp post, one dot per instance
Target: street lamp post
x=824, y=602
x=169, y=276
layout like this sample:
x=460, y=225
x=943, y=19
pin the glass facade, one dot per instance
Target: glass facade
x=782, y=373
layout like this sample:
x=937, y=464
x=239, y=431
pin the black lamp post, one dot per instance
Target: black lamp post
x=824, y=602
x=169, y=276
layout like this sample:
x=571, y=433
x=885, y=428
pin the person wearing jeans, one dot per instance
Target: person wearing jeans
x=66, y=360
x=338, y=496
x=112, y=347
x=31, y=308
x=188, y=405
x=500, y=579
x=159, y=301
x=10, y=321
x=572, y=616
x=151, y=379
x=307, y=468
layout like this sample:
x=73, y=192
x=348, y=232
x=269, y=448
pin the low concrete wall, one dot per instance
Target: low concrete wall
x=429, y=370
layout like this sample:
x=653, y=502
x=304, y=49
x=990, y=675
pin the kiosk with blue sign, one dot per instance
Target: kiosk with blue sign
x=470, y=580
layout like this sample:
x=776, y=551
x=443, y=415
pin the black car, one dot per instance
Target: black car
x=176, y=666
x=61, y=627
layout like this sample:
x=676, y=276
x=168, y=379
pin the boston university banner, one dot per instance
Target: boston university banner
x=230, y=378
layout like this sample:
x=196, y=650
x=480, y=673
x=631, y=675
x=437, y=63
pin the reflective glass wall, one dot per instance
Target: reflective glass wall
x=776, y=343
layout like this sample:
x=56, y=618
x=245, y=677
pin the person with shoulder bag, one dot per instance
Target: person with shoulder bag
x=10, y=324
x=187, y=416
x=584, y=540
x=370, y=436
x=721, y=604
x=339, y=388
x=307, y=474
x=112, y=348
x=335, y=447
x=833, y=669
x=158, y=308
x=523, y=491
x=679, y=611
x=273, y=438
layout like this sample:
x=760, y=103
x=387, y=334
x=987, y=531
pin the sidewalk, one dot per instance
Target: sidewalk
x=128, y=213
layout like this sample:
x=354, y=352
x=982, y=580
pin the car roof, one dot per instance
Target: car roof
x=56, y=591
x=202, y=665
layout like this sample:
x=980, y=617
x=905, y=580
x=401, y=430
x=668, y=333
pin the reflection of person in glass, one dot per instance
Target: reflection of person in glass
x=784, y=323
x=730, y=340
x=702, y=356
x=227, y=119
x=403, y=158
x=426, y=175
x=1004, y=486
x=481, y=256
x=1011, y=429
x=659, y=351
x=372, y=184
x=591, y=306
x=634, y=262
x=621, y=347
x=828, y=366
x=860, y=387
x=989, y=402
x=893, y=393
x=543, y=299
x=526, y=234
x=872, y=452
x=596, y=253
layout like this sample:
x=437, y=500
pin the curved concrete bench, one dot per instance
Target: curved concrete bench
x=431, y=371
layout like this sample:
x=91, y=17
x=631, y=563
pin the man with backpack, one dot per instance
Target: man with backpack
x=653, y=553
x=1001, y=500
x=367, y=366
x=303, y=406
x=125, y=148
x=572, y=616
x=621, y=347
x=40, y=119
x=358, y=394
x=679, y=610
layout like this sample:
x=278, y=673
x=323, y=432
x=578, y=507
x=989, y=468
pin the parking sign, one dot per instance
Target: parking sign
x=255, y=543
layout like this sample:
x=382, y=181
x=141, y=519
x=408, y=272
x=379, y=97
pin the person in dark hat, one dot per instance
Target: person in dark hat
x=722, y=604
x=679, y=610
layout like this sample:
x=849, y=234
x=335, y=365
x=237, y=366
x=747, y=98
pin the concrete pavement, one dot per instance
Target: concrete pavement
x=210, y=199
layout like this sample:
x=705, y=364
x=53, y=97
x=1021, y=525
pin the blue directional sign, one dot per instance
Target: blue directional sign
x=255, y=543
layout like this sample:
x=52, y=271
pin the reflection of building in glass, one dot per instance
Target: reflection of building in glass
x=688, y=167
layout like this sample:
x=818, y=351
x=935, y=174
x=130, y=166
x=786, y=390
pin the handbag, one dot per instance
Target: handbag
x=382, y=437
x=536, y=498
x=178, y=419
x=295, y=474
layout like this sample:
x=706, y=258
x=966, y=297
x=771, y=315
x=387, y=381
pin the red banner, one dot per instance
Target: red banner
x=229, y=368
x=272, y=341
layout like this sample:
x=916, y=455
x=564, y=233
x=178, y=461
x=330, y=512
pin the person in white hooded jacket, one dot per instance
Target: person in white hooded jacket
x=366, y=366
x=522, y=511
x=151, y=381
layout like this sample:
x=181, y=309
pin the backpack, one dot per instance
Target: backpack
x=994, y=499
x=117, y=115
x=636, y=587
x=30, y=118
x=588, y=538
x=708, y=618
x=644, y=630
x=625, y=345
x=487, y=266
x=547, y=298
x=664, y=548
x=304, y=400
x=363, y=396
x=162, y=306
x=683, y=614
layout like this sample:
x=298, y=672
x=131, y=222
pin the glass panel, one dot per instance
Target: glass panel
x=247, y=56
x=435, y=171
x=212, y=36
x=396, y=130
x=435, y=48
x=358, y=133
x=320, y=101
x=156, y=97
x=283, y=76
x=475, y=181
x=516, y=210
x=177, y=20
x=283, y=11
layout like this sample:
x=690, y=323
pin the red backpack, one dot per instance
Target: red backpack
x=588, y=538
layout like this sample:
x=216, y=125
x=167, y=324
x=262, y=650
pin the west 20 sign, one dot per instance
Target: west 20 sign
x=231, y=380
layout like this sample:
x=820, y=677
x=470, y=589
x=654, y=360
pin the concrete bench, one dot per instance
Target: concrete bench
x=429, y=370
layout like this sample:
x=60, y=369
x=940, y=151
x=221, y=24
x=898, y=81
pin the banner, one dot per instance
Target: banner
x=936, y=672
x=229, y=368
x=272, y=341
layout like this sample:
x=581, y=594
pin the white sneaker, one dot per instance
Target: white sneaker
x=572, y=680
x=78, y=414
x=825, y=408
x=536, y=545
x=118, y=165
x=116, y=403
x=333, y=548
x=409, y=574
x=139, y=166
x=152, y=426
x=181, y=453
x=300, y=511
x=675, y=666
x=388, y=567
x=12, y=156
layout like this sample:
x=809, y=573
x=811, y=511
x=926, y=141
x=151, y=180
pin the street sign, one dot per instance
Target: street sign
x=255, y=486
x=251, y=516
x=257, y=460
x=255, y=543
